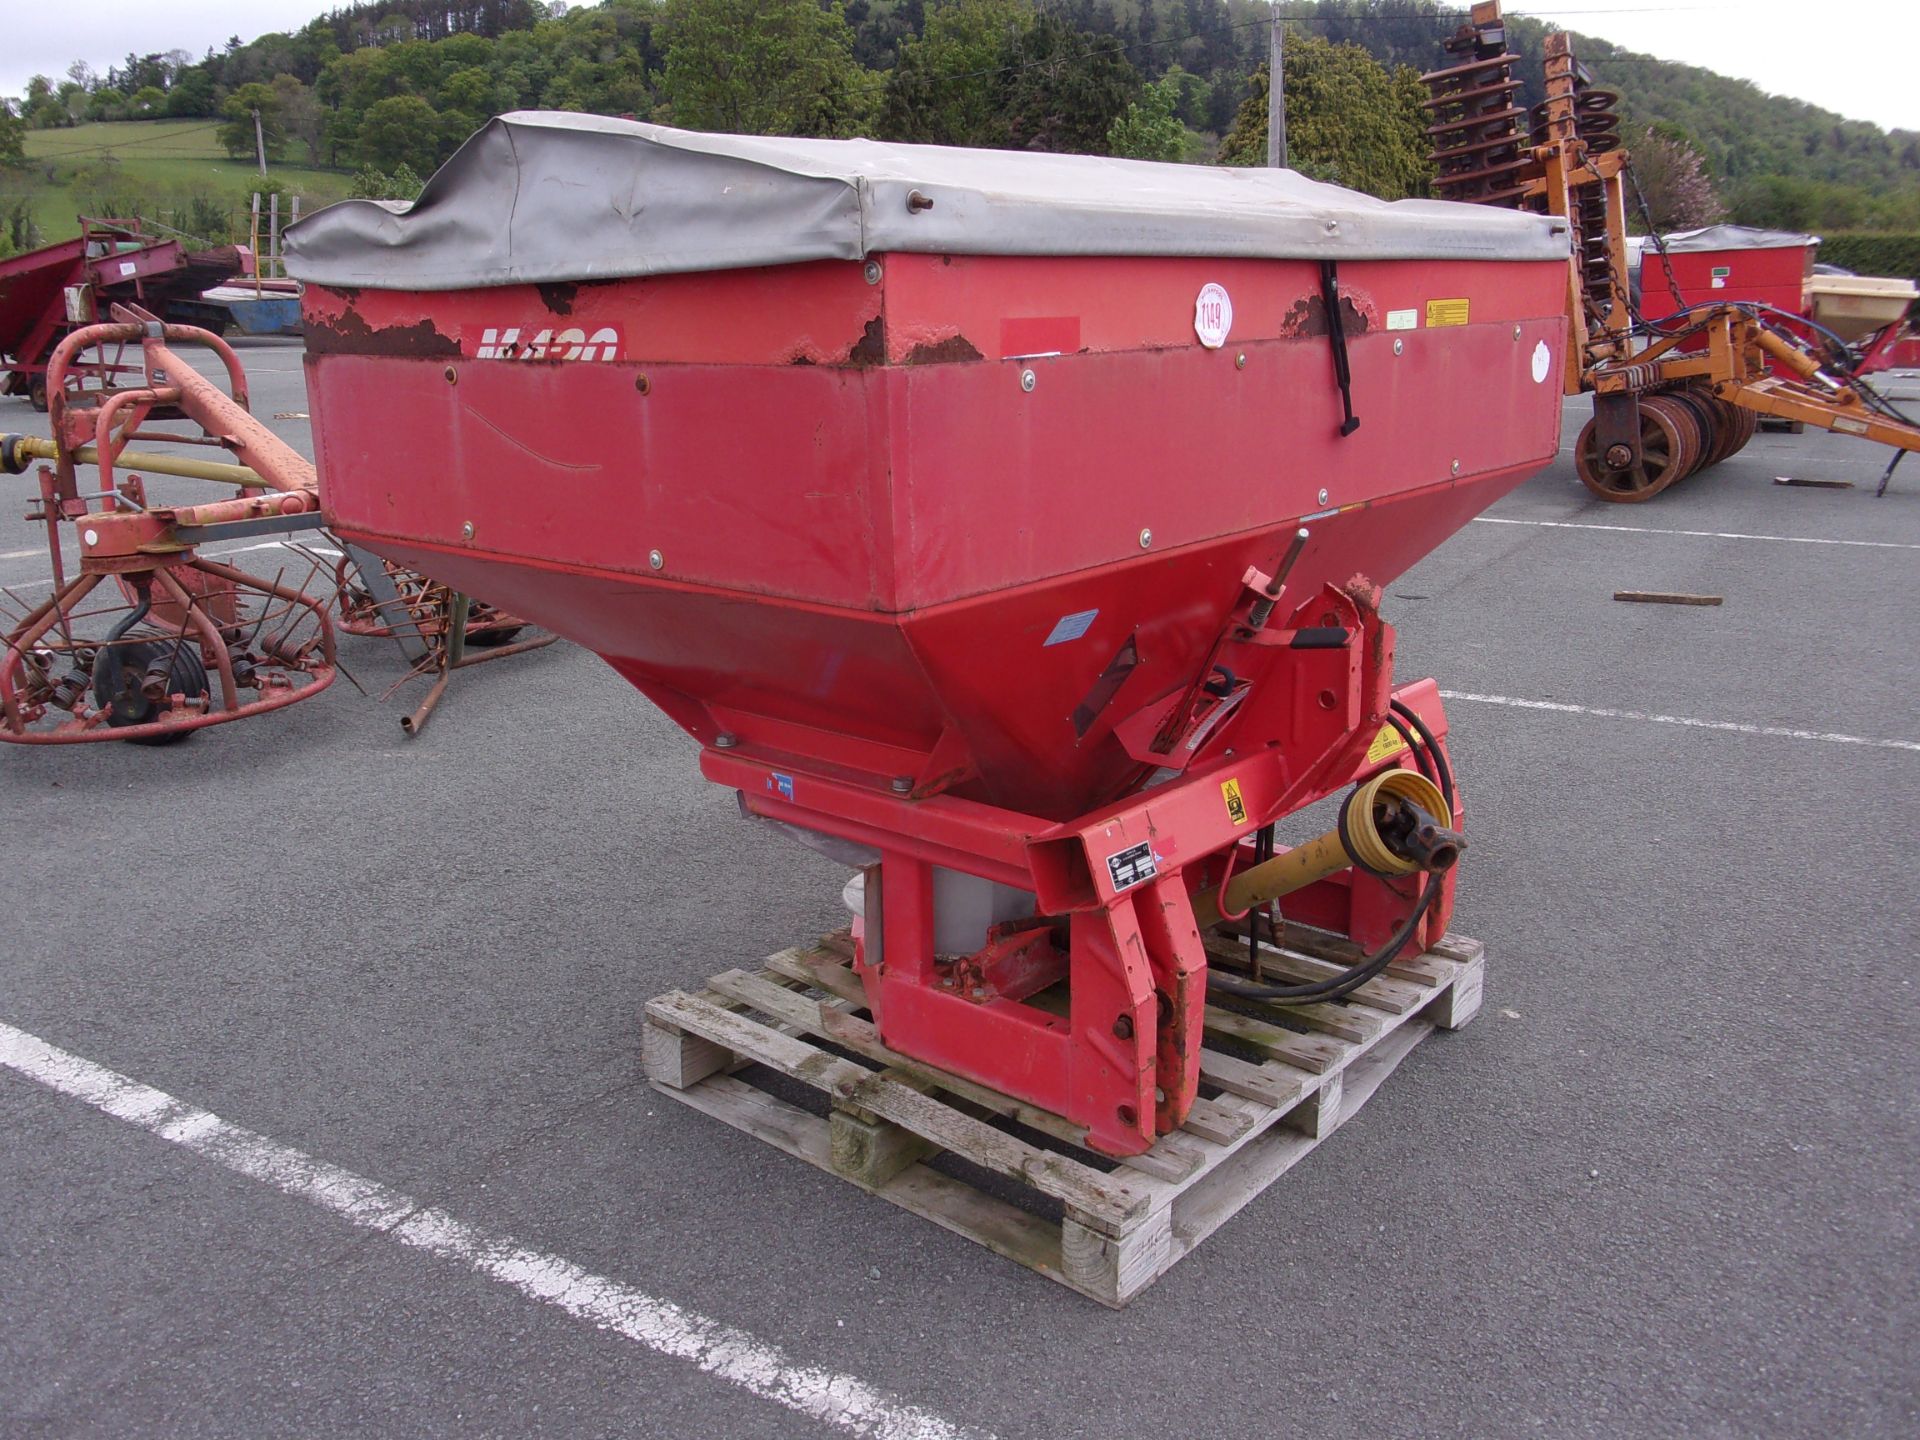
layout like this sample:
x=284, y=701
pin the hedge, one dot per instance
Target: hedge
x=1872, y=253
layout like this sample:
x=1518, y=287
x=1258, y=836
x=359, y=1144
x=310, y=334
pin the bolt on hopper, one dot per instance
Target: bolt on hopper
x=1012, y=526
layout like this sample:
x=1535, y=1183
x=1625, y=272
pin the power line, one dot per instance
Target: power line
x=128, y=144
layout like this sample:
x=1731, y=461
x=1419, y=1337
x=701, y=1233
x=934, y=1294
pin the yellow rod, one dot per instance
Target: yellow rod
x=1326, y=854
x=218, y=471
x=1298, y=868
x=1786, y=354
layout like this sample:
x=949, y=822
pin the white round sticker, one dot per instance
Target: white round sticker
x=1542, y=360
x=1212, y=316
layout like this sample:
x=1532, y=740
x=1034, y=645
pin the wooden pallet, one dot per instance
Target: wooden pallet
x=1119, y=1226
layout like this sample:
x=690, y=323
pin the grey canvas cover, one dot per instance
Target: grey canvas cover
x=1735, y=237
x=537, y=196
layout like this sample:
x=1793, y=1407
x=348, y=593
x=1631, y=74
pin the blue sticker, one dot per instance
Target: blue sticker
x=1071, y=627
x=782, y=783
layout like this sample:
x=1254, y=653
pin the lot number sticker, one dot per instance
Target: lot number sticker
x=1213, y=316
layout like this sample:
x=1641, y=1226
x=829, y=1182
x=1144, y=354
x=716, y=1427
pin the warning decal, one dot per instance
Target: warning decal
x=1131, y=866
x=1387, y=742
x=1236, y=807
x=1446, y=312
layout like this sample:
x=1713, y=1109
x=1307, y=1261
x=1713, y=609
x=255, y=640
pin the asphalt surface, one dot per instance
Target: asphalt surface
x=1663, y=1186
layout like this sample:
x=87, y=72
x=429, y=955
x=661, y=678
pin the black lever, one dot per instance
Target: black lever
x=1337, y=336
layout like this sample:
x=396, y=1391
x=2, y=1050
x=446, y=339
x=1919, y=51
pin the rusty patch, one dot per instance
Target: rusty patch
x=871, y=348
x=937, y=352
x=349, y=334
x=558, y=296
x=1309, y=317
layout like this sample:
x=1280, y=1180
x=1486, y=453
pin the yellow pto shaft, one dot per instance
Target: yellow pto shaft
x=1363, y=837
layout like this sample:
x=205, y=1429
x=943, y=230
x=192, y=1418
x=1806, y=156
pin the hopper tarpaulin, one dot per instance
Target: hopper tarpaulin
x=536, y=196
x=1714, y=238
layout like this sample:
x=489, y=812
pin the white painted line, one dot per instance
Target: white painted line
x=843, y=1401
x=46, y=581
x=1602, y=712
x=20, y=554
x=1695, y=534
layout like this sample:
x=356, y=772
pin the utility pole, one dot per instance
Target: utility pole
x=260, y=139
x=1276, y=99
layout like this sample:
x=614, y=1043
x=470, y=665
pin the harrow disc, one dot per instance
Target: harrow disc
x=1668, y=446
x=1479, y=145
x=1709, y=434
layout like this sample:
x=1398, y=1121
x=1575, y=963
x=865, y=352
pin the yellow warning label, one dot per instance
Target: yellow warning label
x=1236, y=807
x=1387, y=742
x=1446, y=312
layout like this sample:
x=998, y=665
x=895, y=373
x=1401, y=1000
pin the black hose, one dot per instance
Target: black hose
x=1839, y=359
x=1334, y=987
x=1412, y=742
x=1443, y=773
x=1405, y=719
x=1262, y=852
x=132, y=618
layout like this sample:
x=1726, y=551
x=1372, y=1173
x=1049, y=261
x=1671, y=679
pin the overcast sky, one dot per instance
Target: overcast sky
x=1859, y=57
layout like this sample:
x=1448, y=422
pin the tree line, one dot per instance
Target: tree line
x=393, y=87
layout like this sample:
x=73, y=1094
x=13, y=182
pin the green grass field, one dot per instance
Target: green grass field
x=173, y=171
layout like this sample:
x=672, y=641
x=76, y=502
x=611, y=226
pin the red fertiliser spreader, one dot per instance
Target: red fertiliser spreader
x=1009, y=526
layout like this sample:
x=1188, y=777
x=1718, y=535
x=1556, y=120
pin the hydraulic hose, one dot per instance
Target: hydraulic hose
x=1334, y=987
x=1407, y=721
x=1442, y=772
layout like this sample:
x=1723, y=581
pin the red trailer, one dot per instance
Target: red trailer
x=1012, y=525
x=1727, y=263
x=48, y=293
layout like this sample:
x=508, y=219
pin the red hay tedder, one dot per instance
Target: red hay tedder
x=1010, y=526
x=149, y=639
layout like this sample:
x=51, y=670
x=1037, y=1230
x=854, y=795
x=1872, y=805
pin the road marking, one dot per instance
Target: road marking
x=843, y=1401
x=1602, y=712
x=1696, y=534
x=20, y=554
x=46, y=581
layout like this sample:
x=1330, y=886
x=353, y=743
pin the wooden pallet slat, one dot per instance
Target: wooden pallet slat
x=1117, y=1230
x=818, y=1018
x=1286, y=967
x=1109, y=1205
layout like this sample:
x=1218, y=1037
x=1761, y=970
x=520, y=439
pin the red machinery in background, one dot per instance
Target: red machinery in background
x=1671, y=395
x=150, y=639
x=1725, y=263
x=1011, y=526
x=47, y=294
x=1856, y=316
